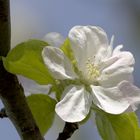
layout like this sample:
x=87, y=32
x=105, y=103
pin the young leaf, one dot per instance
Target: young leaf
x=66, y=48
x=43, y=109
x=117, y=127
x=135, y=123
x=25, y=59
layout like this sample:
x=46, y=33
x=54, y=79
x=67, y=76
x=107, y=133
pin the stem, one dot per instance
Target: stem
x=68, y=131
x=11, y=92
x=3, y=113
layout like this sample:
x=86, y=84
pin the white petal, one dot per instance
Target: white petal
x=57, y=63
x=107, y=62
x=88, y=42
x=117, y=49
x=54, y=39
x=112, y=79
x=117, y=68
x=123, y=98
x=111, y=100
x=125, y=59
x=108, y=52
x=75, y=106
x=31, y=86
x=132, y=93
x=112, y=41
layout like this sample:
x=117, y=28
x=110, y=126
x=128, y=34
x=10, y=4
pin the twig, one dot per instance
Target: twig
x=3, y=113
x=68, y=131
x=11, y=92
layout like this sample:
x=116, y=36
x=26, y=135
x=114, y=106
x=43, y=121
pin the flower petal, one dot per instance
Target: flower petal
x=111, y=100
x=75, y=106
x=88, y=42
x=112, y=79
x=132, y=93
x=116, y=100
x=54, y=39
x=57, y=63
x=125, y=59
x=31, y=86
x=117, y=68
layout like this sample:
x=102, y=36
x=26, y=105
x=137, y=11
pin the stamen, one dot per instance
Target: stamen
x=92, y=70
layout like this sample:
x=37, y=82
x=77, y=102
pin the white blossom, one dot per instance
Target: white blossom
x=103, y=76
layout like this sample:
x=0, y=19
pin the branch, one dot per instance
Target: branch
x=3, y=113
x=68, y=131
x=11, y=92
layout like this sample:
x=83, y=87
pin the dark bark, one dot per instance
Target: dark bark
x=3, y=113
x=11, y=92
x=68, y=131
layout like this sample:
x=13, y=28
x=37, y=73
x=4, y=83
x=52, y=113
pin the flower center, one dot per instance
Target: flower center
x=92, y=71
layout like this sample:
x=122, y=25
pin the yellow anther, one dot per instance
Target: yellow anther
x=92, y=70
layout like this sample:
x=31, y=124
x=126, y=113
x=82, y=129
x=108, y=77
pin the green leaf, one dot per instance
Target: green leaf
x=43, y=109
x=25, y=59
x=117, y=127
x=66, y=48
x=134, y=120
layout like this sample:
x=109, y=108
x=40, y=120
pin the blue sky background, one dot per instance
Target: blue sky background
x=35, y=18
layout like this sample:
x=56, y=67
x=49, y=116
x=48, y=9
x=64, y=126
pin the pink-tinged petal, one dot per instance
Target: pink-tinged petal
x=88, y=42
x=132, y=94
x=111, y=100
x=57, y=63
x=54, y=39
x=75, y=106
